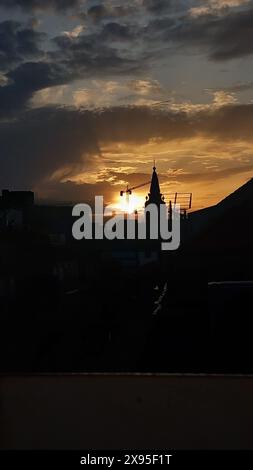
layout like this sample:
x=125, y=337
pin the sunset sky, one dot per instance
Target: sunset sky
x=91, y=92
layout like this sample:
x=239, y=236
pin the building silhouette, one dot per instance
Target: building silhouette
x=155, y=196
x=16, y=199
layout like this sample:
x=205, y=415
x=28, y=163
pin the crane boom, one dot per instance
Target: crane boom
x=139, y=186
x=129, y=190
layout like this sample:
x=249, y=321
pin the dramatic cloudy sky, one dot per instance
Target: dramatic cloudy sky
x=92, y=91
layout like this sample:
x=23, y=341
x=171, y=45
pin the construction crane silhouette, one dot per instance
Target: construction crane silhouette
x=128, y=191
x=183, y=199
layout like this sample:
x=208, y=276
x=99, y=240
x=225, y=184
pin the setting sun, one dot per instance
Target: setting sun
x=130, y=203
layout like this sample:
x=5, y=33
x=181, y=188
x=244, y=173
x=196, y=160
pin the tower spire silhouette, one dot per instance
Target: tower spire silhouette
x=155, y=196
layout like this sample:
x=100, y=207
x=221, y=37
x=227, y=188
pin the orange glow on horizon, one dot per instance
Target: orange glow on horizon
x=129, y=204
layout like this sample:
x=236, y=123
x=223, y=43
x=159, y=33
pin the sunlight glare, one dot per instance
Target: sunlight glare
x=130, y=204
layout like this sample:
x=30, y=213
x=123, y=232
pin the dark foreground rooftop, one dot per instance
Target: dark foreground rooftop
x=126, y=412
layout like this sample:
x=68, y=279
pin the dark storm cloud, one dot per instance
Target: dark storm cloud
x=100, y=12
x=18, y=43
x=83, y=57
x=70, y=191
x=106, y=11
x=224, y=36
x=116, y=32
x=139, y=124
x=162, y=7
x=99, y=52
x=228, y=122
x=46, y=140
x=94, y=55
x=42, y=142
x=158, y=6
x=50, y=140
x=40, y=4
x=25, y=80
